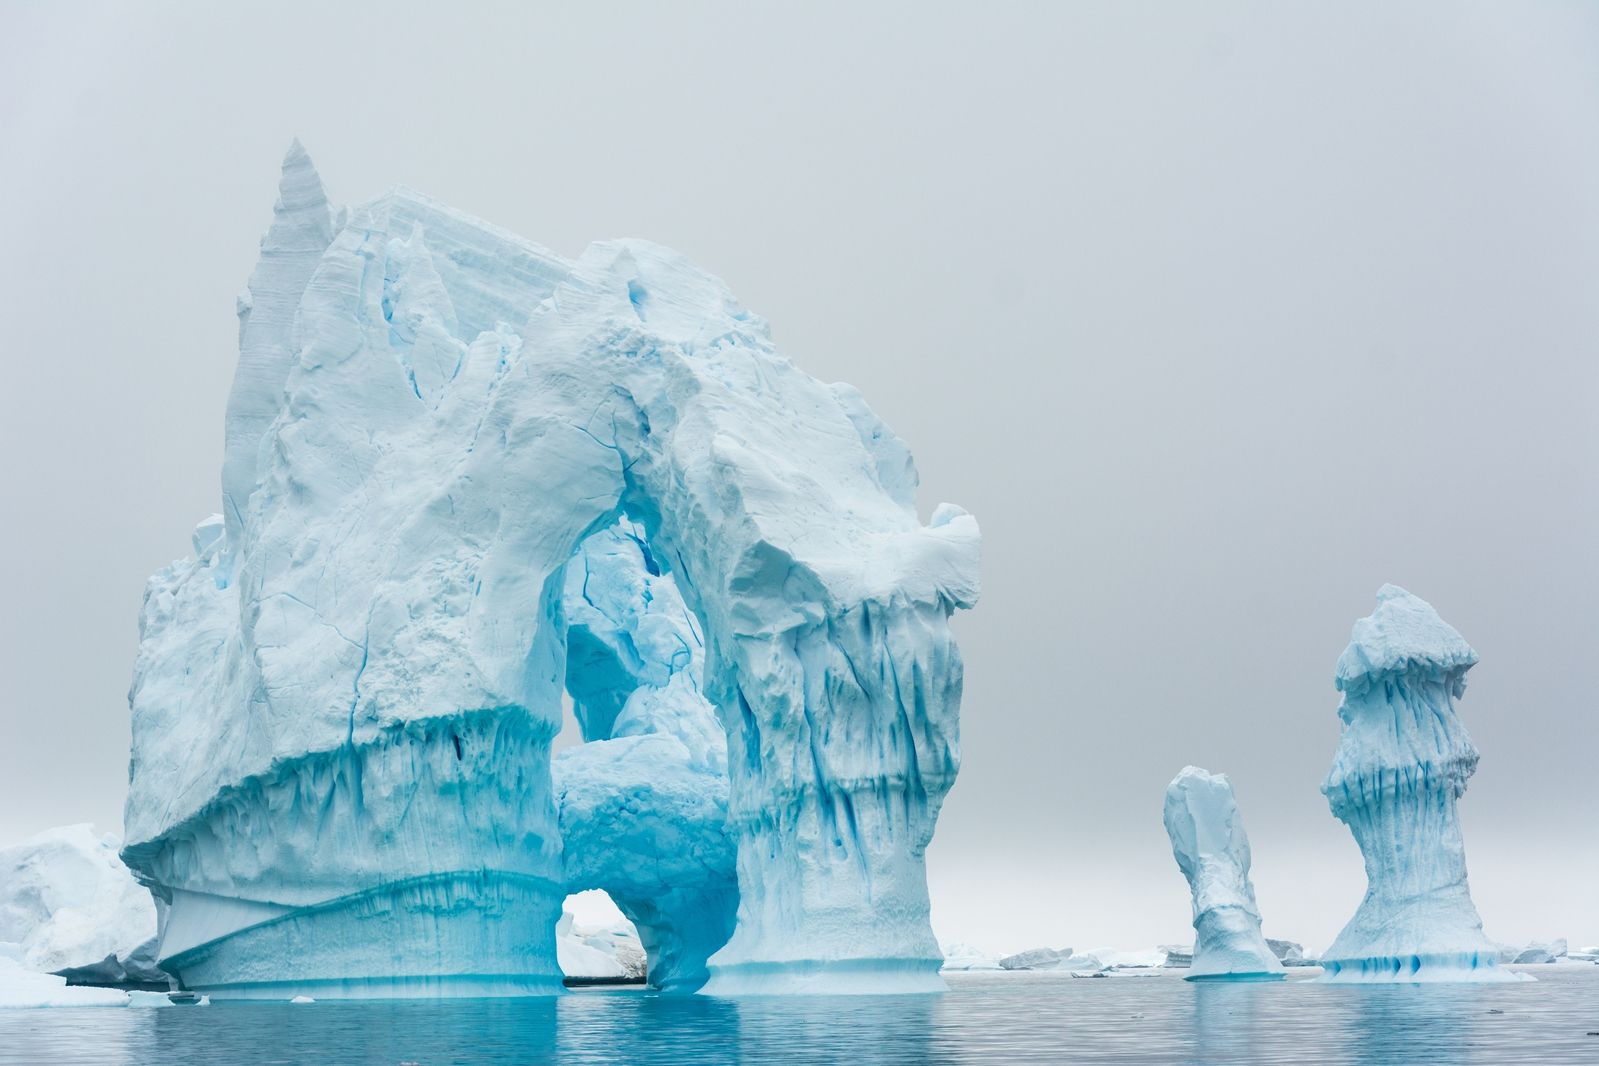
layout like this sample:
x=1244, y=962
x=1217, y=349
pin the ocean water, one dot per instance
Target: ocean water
x=983, y=1018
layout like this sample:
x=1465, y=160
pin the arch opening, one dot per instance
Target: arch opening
x=640, y=765
x=596, y=944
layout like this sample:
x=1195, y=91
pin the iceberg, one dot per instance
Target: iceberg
x=960, y=956
x=1212, y=849
x=1290, y=953
x=1402, y=764
x=344, y=701
x=1538, y=952
x=1035, y=959
x=73, y=909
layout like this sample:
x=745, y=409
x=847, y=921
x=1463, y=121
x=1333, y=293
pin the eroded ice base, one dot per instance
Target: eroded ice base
x=847, y=977
x=479, y=933
x=1420, y=969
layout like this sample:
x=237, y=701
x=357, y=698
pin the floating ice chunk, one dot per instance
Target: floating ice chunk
x=1537, y=952
x=302, y=999
x=1212, y=849
x=1128, y=958
x=965, y=957
x=1035, y=959
x=1177, y=956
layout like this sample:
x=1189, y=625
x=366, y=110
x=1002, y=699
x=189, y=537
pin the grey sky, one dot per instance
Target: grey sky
x=1217, y=317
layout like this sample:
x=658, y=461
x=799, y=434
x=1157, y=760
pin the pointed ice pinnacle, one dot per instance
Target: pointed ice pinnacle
x=1208, y=839
x=1403, y=760
x=301, y=230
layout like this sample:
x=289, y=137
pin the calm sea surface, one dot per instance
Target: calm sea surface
x=982, y=1019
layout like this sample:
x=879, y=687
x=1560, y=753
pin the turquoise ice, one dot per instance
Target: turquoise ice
x=1402, y=764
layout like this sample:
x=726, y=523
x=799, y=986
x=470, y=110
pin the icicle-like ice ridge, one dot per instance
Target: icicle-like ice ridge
x=843, y=748
x=459, y=414
x=1212, y=849
x=1403, y=761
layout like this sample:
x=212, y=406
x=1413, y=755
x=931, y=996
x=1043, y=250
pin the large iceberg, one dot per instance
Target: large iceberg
x=1212, y=849
x=344, y=701
x=1403, y=761
x=71, y=908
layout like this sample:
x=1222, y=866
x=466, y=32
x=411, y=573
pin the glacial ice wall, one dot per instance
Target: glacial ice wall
x=1210, y=845
x=1402, y=764
x=344, y=701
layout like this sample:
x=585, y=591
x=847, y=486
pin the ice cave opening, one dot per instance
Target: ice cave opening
x=595, y=944
x=640, y=768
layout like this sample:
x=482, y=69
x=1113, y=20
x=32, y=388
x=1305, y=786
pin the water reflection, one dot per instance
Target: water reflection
x=1225, y=1022
x=1013, y=1018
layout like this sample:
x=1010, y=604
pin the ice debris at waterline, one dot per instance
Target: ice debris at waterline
x=1212, y=849
x=72, y=908
x=344, y=702
x=1403, y=761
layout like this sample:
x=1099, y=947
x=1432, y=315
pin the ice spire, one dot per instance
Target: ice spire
x=1403, y=760
x=1212, y=849
x=301, y=230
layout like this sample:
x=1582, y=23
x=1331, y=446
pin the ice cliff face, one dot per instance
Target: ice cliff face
x=344, y=701
x=1403, y=761
x=72, y=908
x=1212, y=849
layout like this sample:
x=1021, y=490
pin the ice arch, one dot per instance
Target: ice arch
x=643, y=802
x=344, y=702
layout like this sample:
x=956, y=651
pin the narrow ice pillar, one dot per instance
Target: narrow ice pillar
x=843, y=747
x=1403, y=761
x=1212, y=849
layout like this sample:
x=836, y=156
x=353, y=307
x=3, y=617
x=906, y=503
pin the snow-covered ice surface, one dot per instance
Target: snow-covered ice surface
x=22, y=987
x=1402, y=764
x=344, y=701
x=1210, y=845
x=72, y=907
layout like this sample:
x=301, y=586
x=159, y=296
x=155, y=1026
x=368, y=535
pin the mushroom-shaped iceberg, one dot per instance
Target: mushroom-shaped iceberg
x=1403, y=761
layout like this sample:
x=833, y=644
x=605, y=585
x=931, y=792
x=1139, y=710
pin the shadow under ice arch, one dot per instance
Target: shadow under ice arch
x=344, y=703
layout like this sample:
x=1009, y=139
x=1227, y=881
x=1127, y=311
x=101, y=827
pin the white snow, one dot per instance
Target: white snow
x=70, y=903
x=22, y=987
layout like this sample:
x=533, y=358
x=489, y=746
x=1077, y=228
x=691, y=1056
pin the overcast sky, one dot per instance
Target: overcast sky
x=1217, y=316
